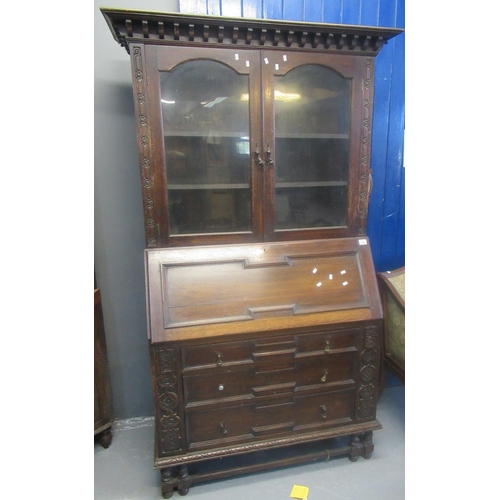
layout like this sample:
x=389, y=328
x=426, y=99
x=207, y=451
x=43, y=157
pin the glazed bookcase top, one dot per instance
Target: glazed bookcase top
x=131, y=26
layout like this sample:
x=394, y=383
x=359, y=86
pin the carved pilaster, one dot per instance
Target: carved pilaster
x=168, y=421
x=369, y=373
x=364, y=170
x=144, y=148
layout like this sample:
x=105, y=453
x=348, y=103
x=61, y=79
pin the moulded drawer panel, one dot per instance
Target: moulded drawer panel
x=218, y=386
x=332, y=369
x=217, y=355
x=328, y=343
x=253, y=421
x=321, y=374
x=331, y=408
x=243, y=384
x=216, y=427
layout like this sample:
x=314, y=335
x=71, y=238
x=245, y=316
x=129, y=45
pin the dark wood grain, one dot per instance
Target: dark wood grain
x=222, y=290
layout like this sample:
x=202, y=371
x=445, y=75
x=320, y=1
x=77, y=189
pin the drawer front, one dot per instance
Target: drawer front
x=217, y=427
x=326, y=343
x=269, y=351
x=265, y=382
x=237, y=385
x=324, y=410
x=216, y=356
x=225, y=426
x=327, y=370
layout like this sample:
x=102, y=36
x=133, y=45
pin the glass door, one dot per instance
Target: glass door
x=206, y=109
x=307, y=145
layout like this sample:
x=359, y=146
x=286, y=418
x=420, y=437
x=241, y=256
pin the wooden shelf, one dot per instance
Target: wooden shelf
x=186, y=133
x=217, y=187
x=245, y=137
x=310, y=184
x=311, y=136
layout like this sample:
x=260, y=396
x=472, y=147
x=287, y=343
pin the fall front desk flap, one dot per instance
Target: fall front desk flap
x=221, y=290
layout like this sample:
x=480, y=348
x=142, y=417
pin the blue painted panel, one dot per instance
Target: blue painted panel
x=387, y=16
x=351, y=12
x=369, y=14
x=381, y=106
x=293, y=10
x=272, y=9
x=392, y=190
x=332, y=11
x=252, y=9
x=399, y=258
x=313, y=10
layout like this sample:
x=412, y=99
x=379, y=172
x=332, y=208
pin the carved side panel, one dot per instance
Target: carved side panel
x=369, y=372
x=150, y=223
x=168, y=421
x=364, y=169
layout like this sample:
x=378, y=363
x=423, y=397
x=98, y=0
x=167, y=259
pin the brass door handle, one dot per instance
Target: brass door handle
x=269, y=160
x=258, y=159
x=325, y=373
x=219, y=359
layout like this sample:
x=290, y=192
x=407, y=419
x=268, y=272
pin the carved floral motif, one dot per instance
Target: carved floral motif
x=365, y=150
x=168, y=400
x=151, y=225
x=368, y=373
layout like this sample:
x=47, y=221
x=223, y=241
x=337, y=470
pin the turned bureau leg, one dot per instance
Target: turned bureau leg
x=105, y=438
x=167, y=483
x=356, y=448
x=367, y=440
x=183, y=478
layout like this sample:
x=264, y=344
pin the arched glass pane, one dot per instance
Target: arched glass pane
x=205, y=113
x=312, y=123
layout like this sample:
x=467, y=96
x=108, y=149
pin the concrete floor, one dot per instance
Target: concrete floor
x=124, y=471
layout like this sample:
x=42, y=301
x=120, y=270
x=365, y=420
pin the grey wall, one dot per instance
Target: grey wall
x=118, y=219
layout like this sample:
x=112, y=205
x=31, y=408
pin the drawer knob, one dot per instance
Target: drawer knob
x=223, y=427
x=327, y=346
x=219, y=359
x=221, y=387
x=323, y=411
x=325, y=373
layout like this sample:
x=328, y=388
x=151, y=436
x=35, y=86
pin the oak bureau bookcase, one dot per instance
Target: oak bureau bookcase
x=264, y=313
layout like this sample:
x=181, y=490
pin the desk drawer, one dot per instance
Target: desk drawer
x=235, y=424
x=269, y=351
x=216, y=356
x=328, y=343
x=327, y=371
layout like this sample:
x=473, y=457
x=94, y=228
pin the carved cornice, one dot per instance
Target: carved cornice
x=129, y=26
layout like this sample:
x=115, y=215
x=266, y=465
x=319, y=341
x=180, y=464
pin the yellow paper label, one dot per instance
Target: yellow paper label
x=299, y=492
